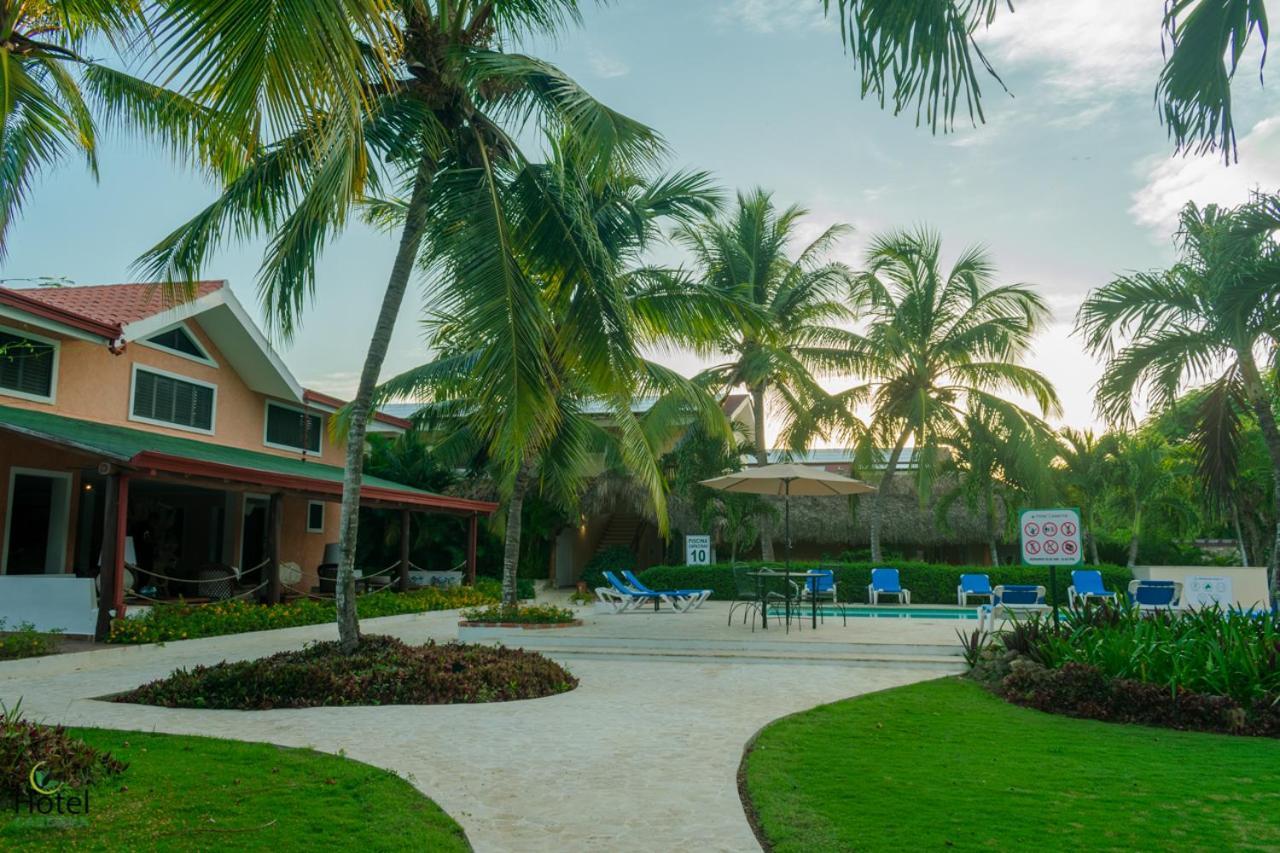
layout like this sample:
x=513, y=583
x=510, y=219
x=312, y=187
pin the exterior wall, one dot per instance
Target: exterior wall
x=92, y=384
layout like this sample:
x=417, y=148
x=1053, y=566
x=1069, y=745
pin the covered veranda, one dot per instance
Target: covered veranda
x=90, y=505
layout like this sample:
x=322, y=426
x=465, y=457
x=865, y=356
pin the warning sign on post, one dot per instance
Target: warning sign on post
x=1050, y=537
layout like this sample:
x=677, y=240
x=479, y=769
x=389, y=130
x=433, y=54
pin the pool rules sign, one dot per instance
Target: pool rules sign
x=1050, y=537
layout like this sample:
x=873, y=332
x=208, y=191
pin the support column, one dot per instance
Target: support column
x=275, y=514
x=406, y=531
x=115, y=519
x=471, y=549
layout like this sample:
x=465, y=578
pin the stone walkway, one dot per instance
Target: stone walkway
x=643, y=755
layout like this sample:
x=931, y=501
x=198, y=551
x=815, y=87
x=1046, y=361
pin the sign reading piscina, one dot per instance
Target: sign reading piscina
x=697, y=550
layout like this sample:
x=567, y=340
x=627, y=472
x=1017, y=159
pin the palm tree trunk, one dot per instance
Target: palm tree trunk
x=1260, y=400
x=762, y=456
x=415, y=226
x=511, y=546
x=991, y=530
x=890, y=466
x=1133, y=538
x=1235, y=522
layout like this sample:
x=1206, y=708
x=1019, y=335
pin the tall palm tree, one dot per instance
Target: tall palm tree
x=1212, y=318
x=55, y=98
x=1147, y=478
x=1082, y=471
x=429, y=131
x=923, y=57
x=743, y=257
x=937, y=343
x=577, y=229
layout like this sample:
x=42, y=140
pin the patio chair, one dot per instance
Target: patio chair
x=751, y=595
x=979, y=585
x=1013, y=599
x=1087, y=584
x=824, y=588
x=885, y=582
x=696, y=597
x=1152, y=596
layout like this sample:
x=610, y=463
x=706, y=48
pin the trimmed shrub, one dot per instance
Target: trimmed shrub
x=533, y=614
x=166, y=622
x=382, y=671
x=930, y=583
x=493, y=588
x=615, y=558
x=24, y=744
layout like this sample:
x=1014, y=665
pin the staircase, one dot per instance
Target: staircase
x=621, y=531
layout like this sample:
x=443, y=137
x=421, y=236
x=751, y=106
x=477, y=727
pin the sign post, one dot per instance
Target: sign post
x=697, y=550
x=1051, y=537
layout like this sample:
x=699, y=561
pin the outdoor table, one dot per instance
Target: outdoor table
x=787, y=575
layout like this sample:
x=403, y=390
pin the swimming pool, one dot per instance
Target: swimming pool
x=855, y=611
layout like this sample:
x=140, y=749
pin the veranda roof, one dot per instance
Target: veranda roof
x=151, y=452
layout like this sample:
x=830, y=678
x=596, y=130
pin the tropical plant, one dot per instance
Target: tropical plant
x=742, y=258
x=923, y=56
x=1082, y=475
x=55, y=98
x=1148, y=478
x=1212, y=318
x=414, y=113
x=524, y=384
x=938, y=344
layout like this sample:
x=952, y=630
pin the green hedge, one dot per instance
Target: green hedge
x=930, y=583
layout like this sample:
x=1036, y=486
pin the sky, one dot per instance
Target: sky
x=1070, y=181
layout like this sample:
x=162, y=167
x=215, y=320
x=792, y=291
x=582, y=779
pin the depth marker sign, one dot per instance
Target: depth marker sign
x=1050, y=537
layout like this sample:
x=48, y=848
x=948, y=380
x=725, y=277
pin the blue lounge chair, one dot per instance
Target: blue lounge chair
x=1013, y=599
x=821, y=586
x=885, y=581
x=1087, y=584
x=1151, y=596
x=973, y=585
x=695, y=597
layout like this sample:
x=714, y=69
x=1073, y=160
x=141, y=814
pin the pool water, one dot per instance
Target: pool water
x=865, y=612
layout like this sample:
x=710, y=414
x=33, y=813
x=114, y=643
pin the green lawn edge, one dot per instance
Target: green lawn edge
x=945, y=764
x=196, y=793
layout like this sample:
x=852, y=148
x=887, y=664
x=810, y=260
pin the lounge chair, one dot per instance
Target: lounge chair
x=885, y=582
x=1151, y=596
x=1013, y=599
x=823, y=587
x=625, y=597
x=696, y=596
x=973, y=585
x=1087, y=584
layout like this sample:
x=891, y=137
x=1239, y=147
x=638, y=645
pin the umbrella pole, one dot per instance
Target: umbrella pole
x=786, y=500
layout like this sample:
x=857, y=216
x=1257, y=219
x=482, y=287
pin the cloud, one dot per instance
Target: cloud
x=1082, y=48
x=1172, y=182
x=771, y=16
x=606, y=65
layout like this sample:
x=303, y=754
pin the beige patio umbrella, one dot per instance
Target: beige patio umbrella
x=785, y=480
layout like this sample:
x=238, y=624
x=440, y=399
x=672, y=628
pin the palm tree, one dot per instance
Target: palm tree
x=1082, y=474
x=422, y=117
x=1147, y=478
x=923, y=57
x=54, y=99
x=937, y=344
x=1213, y=318
x=993, y=465
x=743, y=258
x=528, y=404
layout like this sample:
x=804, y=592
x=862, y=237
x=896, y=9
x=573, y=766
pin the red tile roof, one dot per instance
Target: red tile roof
x=116, y=304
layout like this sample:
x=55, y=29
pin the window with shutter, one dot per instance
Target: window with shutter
x=27, y=366
x=172, y=401
x=293, y=429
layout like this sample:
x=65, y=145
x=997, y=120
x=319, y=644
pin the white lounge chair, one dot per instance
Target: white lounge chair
x=1013, y=600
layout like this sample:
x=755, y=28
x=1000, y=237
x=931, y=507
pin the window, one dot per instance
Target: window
x=315, y=516
x=179, y=340
x=292, y=429
x=161, y=398
x=27, y=366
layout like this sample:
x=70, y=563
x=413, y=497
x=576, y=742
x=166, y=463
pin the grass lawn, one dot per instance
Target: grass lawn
x=195, y=793
x=945, y=764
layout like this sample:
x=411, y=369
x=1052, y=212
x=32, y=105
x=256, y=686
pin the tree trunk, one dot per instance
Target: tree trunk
x=1235, y=522
x=762, y=456
x=415, y=226
x=1260, y=400
x=511, y=547
x=1133, y=539
x=991, y=533
x=890, y=466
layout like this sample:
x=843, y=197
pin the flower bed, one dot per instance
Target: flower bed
x=62, y=758
x=382, y=671
x=1207, y=670
x=166, y=622
x=25, y=641
x=531, y=616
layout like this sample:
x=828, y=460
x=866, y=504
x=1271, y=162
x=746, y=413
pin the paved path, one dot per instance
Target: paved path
x=642, y=755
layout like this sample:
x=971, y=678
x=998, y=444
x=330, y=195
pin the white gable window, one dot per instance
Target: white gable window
x=28, y=366
x=167, y=399
x=288, y=428
x=180, y=341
